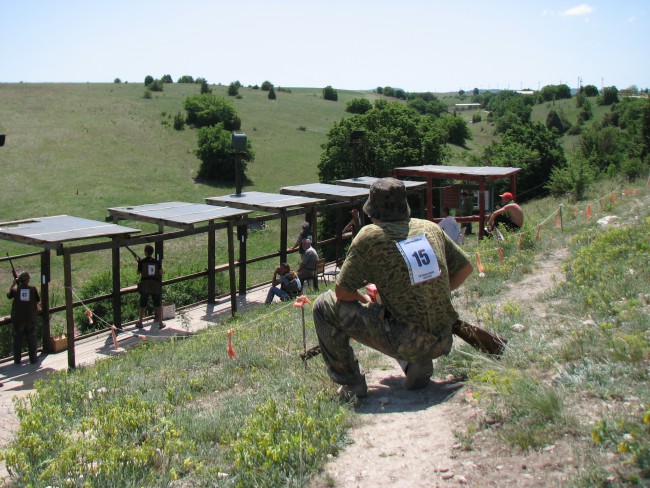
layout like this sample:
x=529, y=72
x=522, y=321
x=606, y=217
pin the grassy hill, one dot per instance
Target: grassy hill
x=81, y=148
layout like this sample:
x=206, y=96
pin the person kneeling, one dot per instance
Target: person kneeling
x=289, y=283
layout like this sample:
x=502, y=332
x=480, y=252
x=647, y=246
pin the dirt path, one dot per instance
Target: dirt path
x=406, y=438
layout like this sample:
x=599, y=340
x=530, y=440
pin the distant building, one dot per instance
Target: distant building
x=467, y=106
x=526, y=92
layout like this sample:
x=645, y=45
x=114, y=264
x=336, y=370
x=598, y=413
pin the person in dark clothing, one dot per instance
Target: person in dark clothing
x=150, y=271
x=305, y=234
x=24, y=314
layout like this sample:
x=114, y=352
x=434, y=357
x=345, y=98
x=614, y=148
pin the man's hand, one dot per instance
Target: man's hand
x=348, y=296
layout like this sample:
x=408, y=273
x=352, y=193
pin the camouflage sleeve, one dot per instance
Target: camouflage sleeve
x=455, y=256
x=353, y=274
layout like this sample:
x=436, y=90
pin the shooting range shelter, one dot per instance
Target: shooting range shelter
x=483, y=175
x=279, y=206
x=186, y=216
x=51, y=233
x=367, y=181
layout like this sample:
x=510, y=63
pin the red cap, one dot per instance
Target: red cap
x=507, y=195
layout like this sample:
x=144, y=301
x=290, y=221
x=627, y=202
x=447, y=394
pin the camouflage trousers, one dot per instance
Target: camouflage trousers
x=336, y=322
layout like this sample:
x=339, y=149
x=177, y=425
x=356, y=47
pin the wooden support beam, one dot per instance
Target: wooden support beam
x=69, y=310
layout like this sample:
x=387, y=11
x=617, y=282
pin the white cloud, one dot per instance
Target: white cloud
x=583, y=9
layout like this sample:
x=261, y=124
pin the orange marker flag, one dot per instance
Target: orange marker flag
x=539, y=226
x=612, y=198
x=501, y=256
x=588, y=212
x=479, y=265
x=521, y=238
x=231, y=351
x=300, y=301
x=575, y=210
x=557, y=219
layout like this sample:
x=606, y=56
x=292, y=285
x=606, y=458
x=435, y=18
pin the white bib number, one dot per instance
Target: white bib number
x=420, y=259
x=24, y=295
x=151, y=270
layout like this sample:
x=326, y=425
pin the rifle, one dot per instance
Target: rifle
x=135, y=254
x=480, y=339
x=13, y=270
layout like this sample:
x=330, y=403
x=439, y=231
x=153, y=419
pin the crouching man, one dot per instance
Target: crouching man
x=415, y=266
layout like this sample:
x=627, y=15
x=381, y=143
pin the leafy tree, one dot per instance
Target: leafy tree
x=456, y=129
x=186, y=79
x=427, y=105
x=205, y=88
x=167, y=79
x=208, y=109
x=461, y=92
x=148, y=80
x=117, y=80
x=400, y=94
x=554, y=122
x=574, y=177
x=358, y=106
x=580, y=99
x=475, y=92
x=233, y=89
x=645, y=131
x=586, y=113
x=555, y=92
x=590, y=90
x=156, y=85
x=608, y=96
x=330, y=93
x=531, y=147
x=389, y=91
x=605, y=148
x=200, y=81
x=271, y=95
x=379, y=90
x=179, y=121
x=267, y=85
x=395, y=135
x=509, y=109
x=217, y=159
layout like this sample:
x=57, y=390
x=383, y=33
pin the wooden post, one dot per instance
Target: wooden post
x=561, y=222
x=231, y=268
x=117, y=301
x=211, y=263
x=45, y=298
x=242, y=236
x=429, y=198
x=283, y=235
x=481, y=207
x=69, y=310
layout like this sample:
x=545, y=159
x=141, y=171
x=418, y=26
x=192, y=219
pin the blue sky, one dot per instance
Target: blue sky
x=417, y=45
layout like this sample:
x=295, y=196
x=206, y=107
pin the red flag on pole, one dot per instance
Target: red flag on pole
x=230, y=349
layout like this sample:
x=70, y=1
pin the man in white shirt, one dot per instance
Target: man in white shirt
x=449, y=225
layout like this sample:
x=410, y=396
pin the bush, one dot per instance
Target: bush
x=148, y=80
x=217, y=159
x=271, y=95
x=330, y=93
x=208, y=109
x=267, y=86
x=156, y=85
x=358, y=106
x=179, y=121
x=233, y=89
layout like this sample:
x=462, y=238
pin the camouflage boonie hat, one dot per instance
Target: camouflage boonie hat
x=387, y=201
